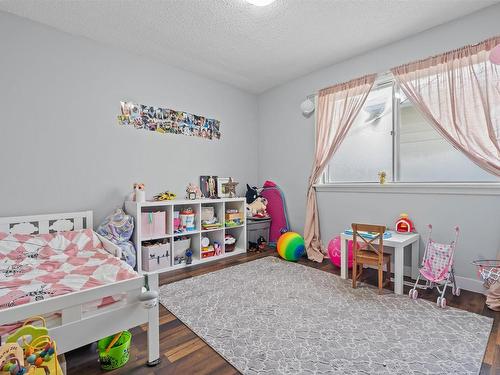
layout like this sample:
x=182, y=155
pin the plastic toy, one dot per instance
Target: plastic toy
x=437, y=268
x=189, y=256
x=404, y=225
x=187, y=219
x=12, y=365
x=291, y=246
x=164, y=196
x=334, y=251
x=217, y=248
x=40, y=352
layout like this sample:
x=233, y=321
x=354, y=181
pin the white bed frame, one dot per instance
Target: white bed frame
x=78, y=328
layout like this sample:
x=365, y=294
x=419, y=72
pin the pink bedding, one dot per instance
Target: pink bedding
x=34, y=268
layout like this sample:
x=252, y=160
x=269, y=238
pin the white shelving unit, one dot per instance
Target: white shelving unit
x=220, y=205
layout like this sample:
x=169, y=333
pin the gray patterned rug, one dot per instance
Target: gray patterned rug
x=269, y=316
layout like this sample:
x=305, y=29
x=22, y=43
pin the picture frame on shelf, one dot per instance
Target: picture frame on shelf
x=221, y=191
x=208, y=186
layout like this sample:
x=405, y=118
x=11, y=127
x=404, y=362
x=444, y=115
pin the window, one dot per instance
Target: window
x=391, y=135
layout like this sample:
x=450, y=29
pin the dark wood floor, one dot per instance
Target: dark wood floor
x=182, y=352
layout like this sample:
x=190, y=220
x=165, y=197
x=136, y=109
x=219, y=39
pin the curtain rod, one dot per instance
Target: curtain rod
x=382, y=79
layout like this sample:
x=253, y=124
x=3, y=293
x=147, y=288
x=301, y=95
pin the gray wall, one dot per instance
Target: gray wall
x=58, y=134
x=60, y=146
x=286, y=147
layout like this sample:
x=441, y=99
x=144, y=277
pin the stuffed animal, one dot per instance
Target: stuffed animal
x=252, y=194
x=256, y=204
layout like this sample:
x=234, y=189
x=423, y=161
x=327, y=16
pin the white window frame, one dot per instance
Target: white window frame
x=395, y=185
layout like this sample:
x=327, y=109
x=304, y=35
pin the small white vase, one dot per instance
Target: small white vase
x=140, y=196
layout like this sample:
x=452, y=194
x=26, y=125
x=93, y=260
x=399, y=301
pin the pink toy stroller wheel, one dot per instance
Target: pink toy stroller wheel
x=438, y=301
x=443, y=303
x=456, y=291
x=413, y=294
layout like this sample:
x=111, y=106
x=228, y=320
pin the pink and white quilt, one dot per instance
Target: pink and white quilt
x=37, y=267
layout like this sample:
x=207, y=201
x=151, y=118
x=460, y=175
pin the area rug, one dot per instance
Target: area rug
x=269, y=316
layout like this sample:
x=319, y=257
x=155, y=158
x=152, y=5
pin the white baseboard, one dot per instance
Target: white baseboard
x=473, y=285
x=464, y=283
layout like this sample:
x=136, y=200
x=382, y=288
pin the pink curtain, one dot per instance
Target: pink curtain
x=459, y=94
x=337, y=109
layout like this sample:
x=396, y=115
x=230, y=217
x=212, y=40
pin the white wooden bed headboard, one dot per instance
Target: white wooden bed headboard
x=43, y=224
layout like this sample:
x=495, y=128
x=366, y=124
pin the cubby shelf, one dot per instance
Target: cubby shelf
x=239, y=232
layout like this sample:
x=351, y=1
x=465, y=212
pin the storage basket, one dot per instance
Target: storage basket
x=153, y=224
x=181, y=246
x=155, y=256
x=118, y=355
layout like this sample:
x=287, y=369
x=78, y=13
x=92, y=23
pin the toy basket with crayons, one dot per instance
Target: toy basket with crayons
x=114, y=351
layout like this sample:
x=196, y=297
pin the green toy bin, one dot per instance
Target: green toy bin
x=118, y=355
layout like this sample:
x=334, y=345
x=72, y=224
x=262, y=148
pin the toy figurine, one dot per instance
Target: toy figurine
x=217, y=248
x=193, y=192
x=404, y=225
x=189, y=256
x=211, y=188
x=381, y=176
x=164, y=196
x=258, y=246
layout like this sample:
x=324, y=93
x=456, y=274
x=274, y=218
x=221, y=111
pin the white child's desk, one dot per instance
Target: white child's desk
x=398, y=242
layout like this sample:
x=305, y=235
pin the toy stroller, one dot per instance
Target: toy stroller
x=437, y=269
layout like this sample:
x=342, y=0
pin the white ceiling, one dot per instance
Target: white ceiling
x=253, y=48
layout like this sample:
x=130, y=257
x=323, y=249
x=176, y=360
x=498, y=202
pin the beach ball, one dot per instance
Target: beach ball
x=334, y=251
x=291, y=246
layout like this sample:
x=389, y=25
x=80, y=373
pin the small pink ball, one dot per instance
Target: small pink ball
x=334, y=252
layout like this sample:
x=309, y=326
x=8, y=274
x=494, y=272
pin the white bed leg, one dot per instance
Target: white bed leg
x=153, y=326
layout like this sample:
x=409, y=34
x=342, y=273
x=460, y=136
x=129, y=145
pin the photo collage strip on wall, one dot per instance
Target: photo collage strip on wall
x=162, y=120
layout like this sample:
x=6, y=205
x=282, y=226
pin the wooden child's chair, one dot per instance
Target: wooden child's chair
x=372, y=255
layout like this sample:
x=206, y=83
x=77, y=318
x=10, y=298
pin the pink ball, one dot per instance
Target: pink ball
x=495, y=55
x=334, y=252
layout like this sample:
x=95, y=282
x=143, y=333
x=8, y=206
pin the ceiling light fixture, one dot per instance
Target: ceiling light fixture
x=260, y=3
